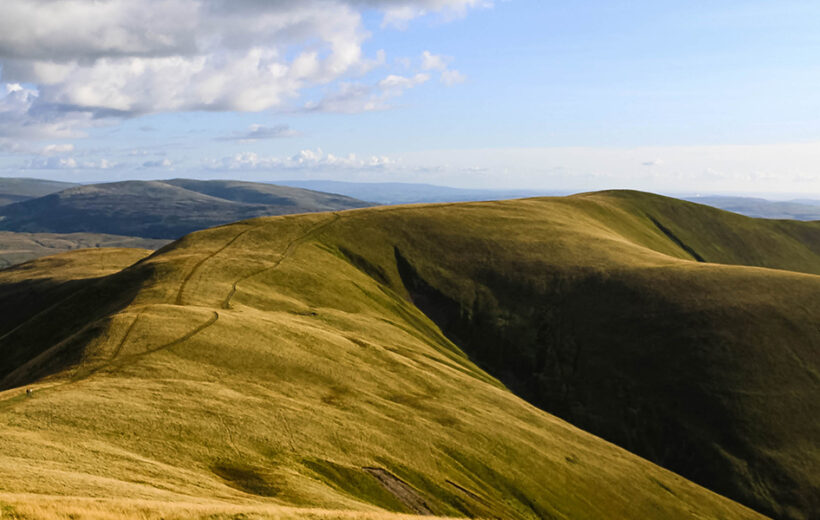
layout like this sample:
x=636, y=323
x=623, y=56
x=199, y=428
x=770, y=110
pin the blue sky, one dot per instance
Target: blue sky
x=664, y=96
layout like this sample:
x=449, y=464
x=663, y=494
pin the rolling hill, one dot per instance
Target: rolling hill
x=15, y=189
x=16, y=248
x=360, y=363
x=161, y=209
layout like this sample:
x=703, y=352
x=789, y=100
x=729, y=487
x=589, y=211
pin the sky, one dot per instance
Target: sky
x=666, y=96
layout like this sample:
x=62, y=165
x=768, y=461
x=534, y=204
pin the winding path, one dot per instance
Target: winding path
x=291, y=247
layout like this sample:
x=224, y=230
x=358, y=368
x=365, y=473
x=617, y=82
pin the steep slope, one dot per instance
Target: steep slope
x=707, y=369
x=278, y=361
x=156, y=209
x=16, y=189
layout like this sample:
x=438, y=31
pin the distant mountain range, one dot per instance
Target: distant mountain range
x=410, y=193
x=161, y=209
x=800, y=209
x=18, y=189
x=58, y=216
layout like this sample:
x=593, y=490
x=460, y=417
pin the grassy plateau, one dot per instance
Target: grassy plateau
x=441, y=360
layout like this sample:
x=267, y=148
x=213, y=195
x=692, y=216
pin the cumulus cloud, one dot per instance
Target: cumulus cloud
x=355, y=97
x=449, y=77
x=452, y=77
x=23, y=115
x=398, y=13
x=430, y=61
x=164, y=163
x=54, y=149
x=260, y=132
x=303, y=160
x=91, y=60
x=67, y=163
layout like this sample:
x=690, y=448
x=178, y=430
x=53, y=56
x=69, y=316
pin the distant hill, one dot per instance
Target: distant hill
x=161, y=209
x=22, y=247
x=18, y=189
x=810, y=202
x=763, y=208
x=411, y=193
x=378, y=362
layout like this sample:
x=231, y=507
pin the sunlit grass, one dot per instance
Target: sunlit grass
x=262, y=366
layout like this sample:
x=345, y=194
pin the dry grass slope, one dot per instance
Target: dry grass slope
x=279, y=362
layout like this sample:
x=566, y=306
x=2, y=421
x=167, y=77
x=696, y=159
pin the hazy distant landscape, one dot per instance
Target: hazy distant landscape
x=399, y=259
x=47, y=217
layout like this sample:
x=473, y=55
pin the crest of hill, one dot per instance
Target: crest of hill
x=159, y=209
x=358, y=361
x=15, y=189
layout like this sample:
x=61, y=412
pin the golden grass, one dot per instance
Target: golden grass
x=258, y=367
x=39, y=507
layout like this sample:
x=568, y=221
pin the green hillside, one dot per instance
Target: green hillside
x=161, y=209
x=318, y=361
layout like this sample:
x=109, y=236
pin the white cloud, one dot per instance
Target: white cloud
x=164, y=163
x=449, y=77
x=55, y=149
x=67, y=163
x=24, y=116
x=395, y=83
x=123, y=58
x=431, y=61
x=303, y=160
x=259, y=132
x=355, y=97
x=398, y=13
x=452, y=77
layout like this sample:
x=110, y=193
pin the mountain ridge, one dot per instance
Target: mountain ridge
x=161, y=209
x=343, y=312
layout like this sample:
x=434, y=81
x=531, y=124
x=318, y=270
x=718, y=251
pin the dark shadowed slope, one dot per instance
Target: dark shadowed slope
x=279, y=361
x=612, y=311
x=157, y=209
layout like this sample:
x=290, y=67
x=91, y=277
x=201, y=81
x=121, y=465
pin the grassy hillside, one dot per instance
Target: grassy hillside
x=161, y=209
x=278, y=362
x=14, y=189
x=612, y=311
x=16, y=248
